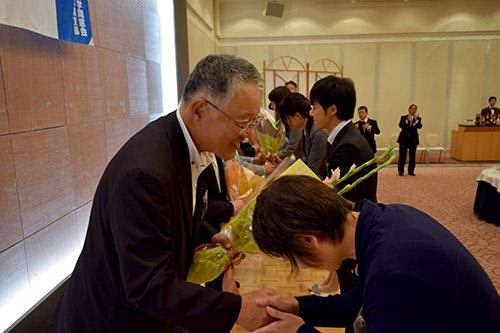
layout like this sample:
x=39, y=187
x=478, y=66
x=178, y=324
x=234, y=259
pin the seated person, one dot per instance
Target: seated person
x=294, y=111
x=414, y=275
x=293, y=141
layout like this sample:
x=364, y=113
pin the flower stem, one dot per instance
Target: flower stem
x=362, y=166
x=359, y=180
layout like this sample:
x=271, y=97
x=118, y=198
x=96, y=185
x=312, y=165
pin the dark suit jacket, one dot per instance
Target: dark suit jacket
x=130, y=276
x=219, y=208
x=409, y=133
x=350, y=147
x=369, y=135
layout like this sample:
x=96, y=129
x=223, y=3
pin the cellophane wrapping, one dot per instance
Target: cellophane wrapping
x=207, y=263
x=270, y=134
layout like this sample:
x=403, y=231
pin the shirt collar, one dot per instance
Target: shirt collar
x=335, y=131
x=202, y=159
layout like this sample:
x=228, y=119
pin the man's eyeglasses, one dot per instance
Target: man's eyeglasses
x=244, y=127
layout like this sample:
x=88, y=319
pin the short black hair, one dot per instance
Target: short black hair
x=291, y=82
x=333, y=90
x=277, y=94
x=489, y=99
x=363, y=107
x=293, y=103
x=294, y=205
x=415, y=105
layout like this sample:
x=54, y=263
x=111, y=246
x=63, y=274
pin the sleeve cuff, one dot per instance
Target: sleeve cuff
x=306, y=328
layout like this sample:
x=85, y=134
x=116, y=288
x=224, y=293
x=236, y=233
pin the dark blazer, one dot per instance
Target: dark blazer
x=369, y=135
x=130, y=276
x=219, y=208
x=409, y=133
x=350, y=147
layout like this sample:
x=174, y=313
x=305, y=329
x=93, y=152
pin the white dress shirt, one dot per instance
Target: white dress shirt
x=335, y=131
x=198, y=161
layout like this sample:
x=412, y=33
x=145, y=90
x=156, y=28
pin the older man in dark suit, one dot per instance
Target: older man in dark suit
x=408, y=139
x=146, y=213
x=367, y=127
x=334, y=100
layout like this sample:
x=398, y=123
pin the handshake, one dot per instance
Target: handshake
x=264, y=311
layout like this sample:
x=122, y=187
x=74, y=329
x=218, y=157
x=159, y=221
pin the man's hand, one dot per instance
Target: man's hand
x=253, y=316
x=367, y=127
x=237, y=205
x=285, y=304
x=268, y=169
x=356, y=125
x=285, y=323
x=259, y=159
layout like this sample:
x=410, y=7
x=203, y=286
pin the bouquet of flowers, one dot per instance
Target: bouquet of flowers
x=210, y=261
x=270, y=133
x=241, y=182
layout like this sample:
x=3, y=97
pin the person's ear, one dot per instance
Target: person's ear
x=332, y=110
x=198, y=107
x=308, y=242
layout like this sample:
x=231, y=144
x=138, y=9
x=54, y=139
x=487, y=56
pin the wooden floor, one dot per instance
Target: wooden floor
x=258, y=271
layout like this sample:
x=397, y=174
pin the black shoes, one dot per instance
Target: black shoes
x=400, y=173
x=411, y=173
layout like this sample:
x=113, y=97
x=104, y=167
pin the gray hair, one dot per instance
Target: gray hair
x=220, y=76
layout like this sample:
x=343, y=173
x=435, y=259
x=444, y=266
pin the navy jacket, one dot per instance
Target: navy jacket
x=414, y=276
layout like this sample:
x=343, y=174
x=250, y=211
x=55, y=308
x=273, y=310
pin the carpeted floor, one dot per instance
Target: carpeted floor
x=447, y=194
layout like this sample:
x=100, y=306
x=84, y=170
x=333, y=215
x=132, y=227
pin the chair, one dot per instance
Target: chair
x=382, y=145
x=432, y=140
x=422, y=149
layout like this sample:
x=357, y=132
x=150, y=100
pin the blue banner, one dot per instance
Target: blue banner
x=73, y=21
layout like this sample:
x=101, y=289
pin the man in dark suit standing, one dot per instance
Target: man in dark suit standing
x=146, y=213
x=334, y=100
x=408, y=139
x=367, y=127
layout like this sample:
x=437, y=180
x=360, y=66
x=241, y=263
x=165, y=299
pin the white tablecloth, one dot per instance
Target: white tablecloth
x=491, y=176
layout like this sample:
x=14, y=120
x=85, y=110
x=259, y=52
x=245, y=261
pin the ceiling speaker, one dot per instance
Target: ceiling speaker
x=274, y=9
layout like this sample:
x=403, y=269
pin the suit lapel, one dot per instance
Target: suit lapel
x=183, y=168
x=339, y=136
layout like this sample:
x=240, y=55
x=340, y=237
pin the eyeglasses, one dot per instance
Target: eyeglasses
x=244, y=127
